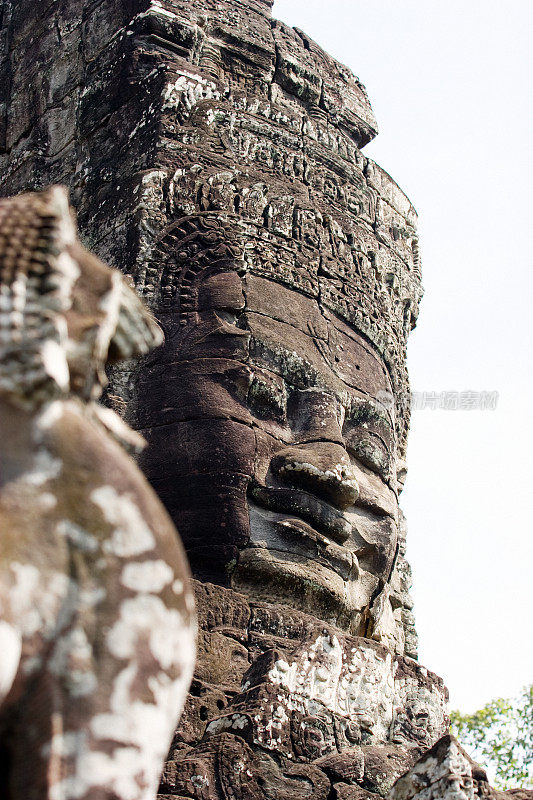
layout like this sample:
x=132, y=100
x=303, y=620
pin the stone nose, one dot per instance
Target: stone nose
x=322, y=468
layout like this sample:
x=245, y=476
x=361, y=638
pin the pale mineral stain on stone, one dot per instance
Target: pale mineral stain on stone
x=328, y=221
x=55, y=362
x=147, y=576
x=44, y=468
x=52, y=630
x=48, y=417
x=147, y=617
x=11, y=649
x=131, y=535
x=47, y=501
x=79, y=537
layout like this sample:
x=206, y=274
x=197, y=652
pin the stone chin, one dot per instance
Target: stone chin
x=290, y=561
x=264, y=574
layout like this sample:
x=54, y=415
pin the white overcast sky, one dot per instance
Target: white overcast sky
x=451, y=85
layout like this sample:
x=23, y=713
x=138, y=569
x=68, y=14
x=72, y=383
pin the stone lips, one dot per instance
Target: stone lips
x=258, y=417
x=257, y=171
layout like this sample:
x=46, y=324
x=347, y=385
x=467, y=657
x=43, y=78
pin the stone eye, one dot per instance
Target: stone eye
x=369, y=450
x=368, y=437
x=268, y=396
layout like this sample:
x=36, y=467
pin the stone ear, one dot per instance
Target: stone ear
x=401, y=473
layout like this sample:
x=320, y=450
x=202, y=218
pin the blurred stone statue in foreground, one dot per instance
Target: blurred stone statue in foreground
x=97, y=616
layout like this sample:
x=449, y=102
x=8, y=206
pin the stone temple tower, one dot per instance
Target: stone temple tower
x=215, y=156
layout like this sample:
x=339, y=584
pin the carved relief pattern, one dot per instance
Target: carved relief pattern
x=297, y=698
x=316, y=214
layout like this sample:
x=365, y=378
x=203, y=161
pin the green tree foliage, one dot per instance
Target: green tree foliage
x=500, y=737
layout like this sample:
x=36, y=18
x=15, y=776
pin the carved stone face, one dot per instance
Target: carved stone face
x=275, y=456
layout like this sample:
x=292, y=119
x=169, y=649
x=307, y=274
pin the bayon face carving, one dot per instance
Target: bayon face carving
x=216, y=155
x=287, y=486
x=97, y=618
x=284, y=270
x=322, y=503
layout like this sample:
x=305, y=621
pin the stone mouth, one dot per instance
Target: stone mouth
x=307, y=513
x=288, y=536
x=339, y=559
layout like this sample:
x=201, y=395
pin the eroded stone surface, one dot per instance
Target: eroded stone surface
x=214, y=155
x=298, y=697
x=446, y=772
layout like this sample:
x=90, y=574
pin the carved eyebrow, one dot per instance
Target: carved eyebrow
x=298, y=373
x=292, y=368
x=364, y=410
